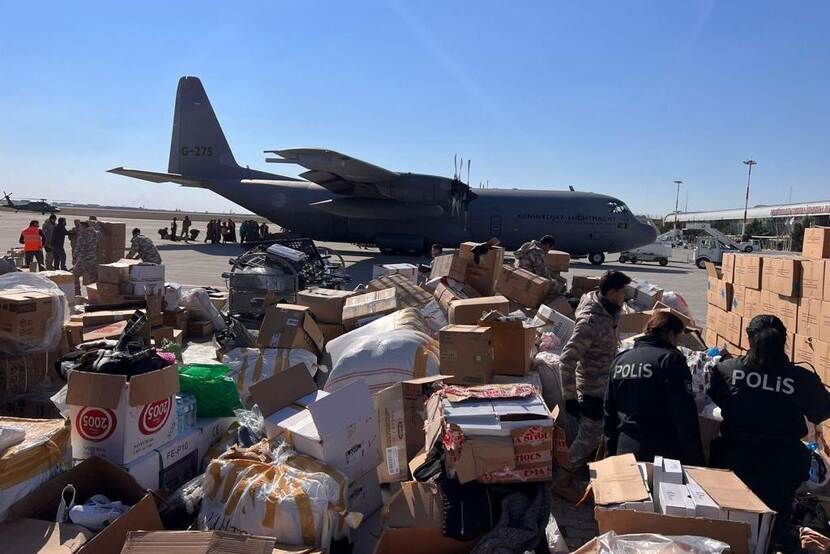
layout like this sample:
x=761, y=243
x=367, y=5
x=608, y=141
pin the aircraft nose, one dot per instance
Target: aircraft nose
x=642, y=235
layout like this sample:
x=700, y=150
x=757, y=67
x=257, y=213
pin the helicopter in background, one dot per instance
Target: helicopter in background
x=41, y=206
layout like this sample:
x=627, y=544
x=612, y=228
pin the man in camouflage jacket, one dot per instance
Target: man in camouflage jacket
x=586, y=366
x=85, y=255
x=531, y=256
x=143, y=248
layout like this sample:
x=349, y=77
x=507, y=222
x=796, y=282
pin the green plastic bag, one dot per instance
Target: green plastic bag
x=215, y=392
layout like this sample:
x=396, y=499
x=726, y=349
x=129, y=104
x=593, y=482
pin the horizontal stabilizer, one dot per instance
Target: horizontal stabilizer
x=157, y=177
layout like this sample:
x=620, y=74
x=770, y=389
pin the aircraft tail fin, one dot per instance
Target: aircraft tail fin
x=198, y=147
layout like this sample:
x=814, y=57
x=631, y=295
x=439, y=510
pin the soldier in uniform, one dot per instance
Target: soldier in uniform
x=143, y=248
x=85, y=254
x=48, y=227
x=764, y=399
x=649, y=406
x=585, y=366
x=531, y=255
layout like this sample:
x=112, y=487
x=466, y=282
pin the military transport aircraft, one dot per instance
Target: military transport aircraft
x=343, y=199
x=41, y=206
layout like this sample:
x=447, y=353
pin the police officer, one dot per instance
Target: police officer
x=764, y=399
x=649, y=407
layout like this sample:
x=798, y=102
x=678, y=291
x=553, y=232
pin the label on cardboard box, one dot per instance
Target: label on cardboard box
x=290, y=326
x=119, y=419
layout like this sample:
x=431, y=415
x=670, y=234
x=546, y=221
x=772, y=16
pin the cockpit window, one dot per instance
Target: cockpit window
x=617, y=207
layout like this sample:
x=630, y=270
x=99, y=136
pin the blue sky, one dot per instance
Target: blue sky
x=620, y=97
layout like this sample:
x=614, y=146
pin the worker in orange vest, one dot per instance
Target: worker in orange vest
x=32, y=239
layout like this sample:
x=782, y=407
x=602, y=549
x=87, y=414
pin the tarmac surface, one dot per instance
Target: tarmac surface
x=197, y=263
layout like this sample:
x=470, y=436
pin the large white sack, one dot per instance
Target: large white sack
x=384, y=359
x=407, y=318
x=247, y=366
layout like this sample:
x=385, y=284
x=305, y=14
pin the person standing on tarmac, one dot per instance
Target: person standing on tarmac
x=764, y=399
x=59, y=234
x=649, y=406
x=48, y=227
x=585, y=369
x=32, y=239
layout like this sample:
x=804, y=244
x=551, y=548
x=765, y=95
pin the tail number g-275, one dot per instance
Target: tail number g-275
x=205, y=151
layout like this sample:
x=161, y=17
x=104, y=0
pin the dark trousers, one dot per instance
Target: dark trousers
x=773, y=473
x=37, y=255
x=59, y=256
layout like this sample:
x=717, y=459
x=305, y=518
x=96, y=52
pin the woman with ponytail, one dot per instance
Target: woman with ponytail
x=764, y=399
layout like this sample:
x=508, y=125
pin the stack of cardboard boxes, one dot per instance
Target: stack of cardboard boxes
x=112, y=236
x=793, y=288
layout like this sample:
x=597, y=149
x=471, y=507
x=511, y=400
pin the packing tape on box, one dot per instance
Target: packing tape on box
x=18, y=465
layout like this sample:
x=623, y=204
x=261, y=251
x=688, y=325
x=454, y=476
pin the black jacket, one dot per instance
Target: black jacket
x=767, y=406
x=649, y=406
x=59, y=234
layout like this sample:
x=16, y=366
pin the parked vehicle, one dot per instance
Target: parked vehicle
x=659, y=252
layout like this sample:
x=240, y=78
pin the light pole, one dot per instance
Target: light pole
x=749, y=164
x=676, y=203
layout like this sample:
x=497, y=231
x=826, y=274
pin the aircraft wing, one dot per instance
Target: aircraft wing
x=337, y=172
x=157, y=177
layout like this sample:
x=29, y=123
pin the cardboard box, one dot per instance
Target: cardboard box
x=719, y=293
x=364, y=494
x=507, y=434
x=752, y=303
x=554, y=322
x=632, y=323
x=120, y=419
x=65, y=281
x=199, y=329
x=339, y=429
x=466, y=354
x=557, y=260
x=169, y=466
x=469, y=311
x=769, y=302
x=331, y=331
x=824, y=322
x=176, y=318
x=206, y=542
x=112, y=237
x=809, y=317
x=711, y=338
x=641, y=295
x=561, y=305
x=146, y=288
x=446, y=294
x=814, y=354
x=787, y=279
x=705, y=506
x=618, y=480
x=400, y=417
x=675, y=500
x=812, y=278
x=768, y=270
x=732, y=328
x=25, y=318
x=816, y=242
x=714, y=317
x=728, y=267
x=290, y=326
x=408, y=293
x=145, y=272
x=826, y=294
x=18, y=374
x=115, y=272
x=93, y=476
x=522, y=286
x=408, y=271
x=738, y=299
x=583, y=284
x=325, y=304
x=786, y=308
x=361, y=309
x=749, y=267
x=483, y=270
x=452, y=266
x=514, y=343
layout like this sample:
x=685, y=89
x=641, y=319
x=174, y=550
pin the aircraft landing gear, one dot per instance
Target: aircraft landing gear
x=597, y=258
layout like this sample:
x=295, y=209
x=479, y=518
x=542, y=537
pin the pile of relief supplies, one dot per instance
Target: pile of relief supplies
x=403, y=416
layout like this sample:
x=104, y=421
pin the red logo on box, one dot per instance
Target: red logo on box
x=95, y=424
x=154, y=416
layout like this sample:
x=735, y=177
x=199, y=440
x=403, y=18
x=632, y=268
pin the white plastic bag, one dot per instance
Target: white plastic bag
x=41, y=333
x=200, y=308
x=675, y=301
x=646, y=543
x=247, y=366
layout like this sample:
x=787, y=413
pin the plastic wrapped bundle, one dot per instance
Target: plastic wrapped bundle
x=645, y=543
x=246, y=366
x=33, y=310
x=200, y=308
x=676, y=302
x=392, y=349
x=294, y=498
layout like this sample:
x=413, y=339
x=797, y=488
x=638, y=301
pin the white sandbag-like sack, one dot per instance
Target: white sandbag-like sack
x=296, y=499
x=44, y=332
x=247, y=366
x=200, y=308
x=383, y=360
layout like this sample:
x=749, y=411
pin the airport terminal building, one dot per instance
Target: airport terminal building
x=779, y=217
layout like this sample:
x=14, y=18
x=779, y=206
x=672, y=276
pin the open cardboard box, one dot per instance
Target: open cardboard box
x=339, y=429
x=31, y=526
x=290, y=326
x=617, y=480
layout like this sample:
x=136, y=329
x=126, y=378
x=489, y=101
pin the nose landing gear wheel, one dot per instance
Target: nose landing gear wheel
x=596, y=258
